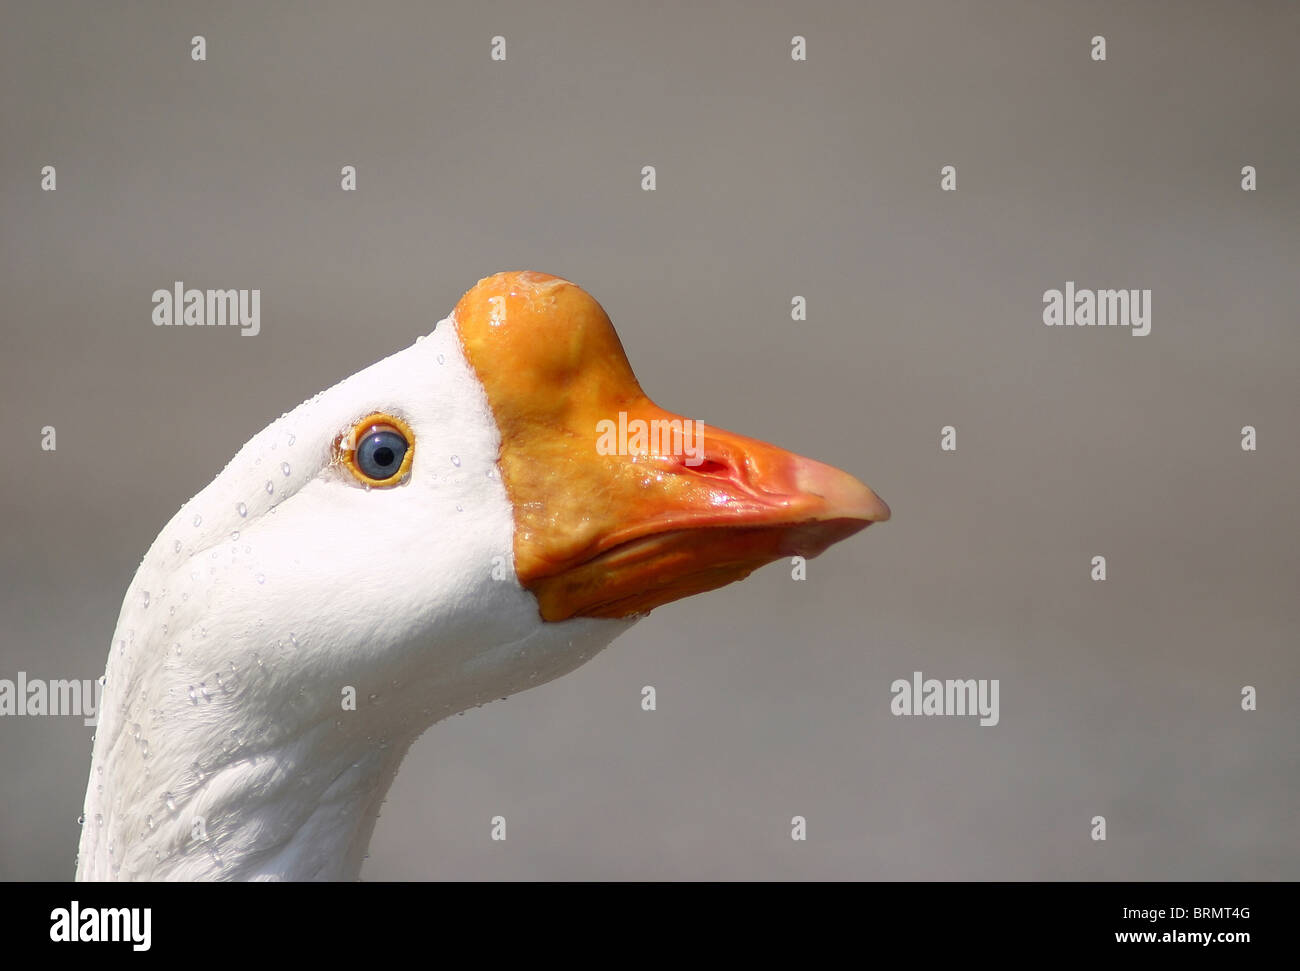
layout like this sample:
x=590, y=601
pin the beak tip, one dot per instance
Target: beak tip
x=883, y=513
x=868, y=506
x=844, y=496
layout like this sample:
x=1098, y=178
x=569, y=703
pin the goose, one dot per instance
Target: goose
x=437, y=531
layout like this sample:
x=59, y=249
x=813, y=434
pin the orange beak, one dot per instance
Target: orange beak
x=621, y=506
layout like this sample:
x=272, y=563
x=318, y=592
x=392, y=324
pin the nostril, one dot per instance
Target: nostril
x=709, y=467
x=699, y=466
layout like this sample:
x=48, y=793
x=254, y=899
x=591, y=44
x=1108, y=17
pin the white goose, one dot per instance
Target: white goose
x=436, y=531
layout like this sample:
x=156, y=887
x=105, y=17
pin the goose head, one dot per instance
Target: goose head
x=441, y=529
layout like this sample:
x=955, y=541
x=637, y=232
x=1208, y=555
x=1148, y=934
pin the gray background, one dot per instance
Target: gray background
x=775, y=178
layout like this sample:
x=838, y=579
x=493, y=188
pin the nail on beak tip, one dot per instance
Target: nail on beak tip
x=844, y=496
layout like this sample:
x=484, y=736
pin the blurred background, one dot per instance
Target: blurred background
x=775, y=178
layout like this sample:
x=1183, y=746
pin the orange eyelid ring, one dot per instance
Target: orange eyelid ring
x=345, y=448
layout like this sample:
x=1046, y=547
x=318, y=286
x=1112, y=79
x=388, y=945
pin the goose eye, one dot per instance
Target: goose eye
x=382, y=453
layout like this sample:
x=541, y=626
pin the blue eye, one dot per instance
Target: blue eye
x=380, y=452
x=377, y=451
